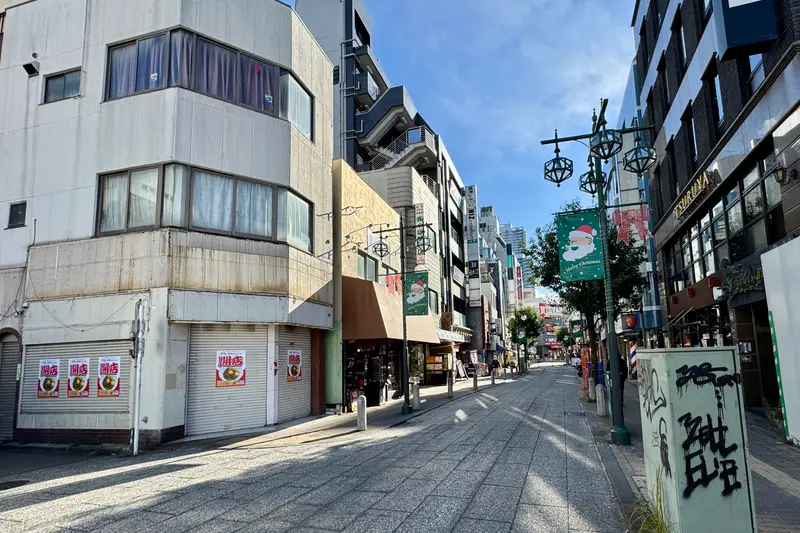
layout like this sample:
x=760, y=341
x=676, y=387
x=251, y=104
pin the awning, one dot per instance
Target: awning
x=500, y=348
x=451, y=336
x=370, y=312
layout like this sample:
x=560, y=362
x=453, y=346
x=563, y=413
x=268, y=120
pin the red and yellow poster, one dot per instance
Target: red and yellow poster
x=294, y=366
x=108, y=377
x=49, y=373
x=231, y=368
x=78, y=380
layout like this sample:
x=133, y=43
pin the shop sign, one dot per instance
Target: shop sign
x=231, y=368
x=632, y=321
x=108, y=369
x=745, y=278
x=703, y=183
x=473, y=356
x=579, y=246
x=294, y=366
x=472, y=227
x=78, y=383
x=49, y=374
x=550, y=310
x=419, y=217
x=576, y=327
x=416, y=294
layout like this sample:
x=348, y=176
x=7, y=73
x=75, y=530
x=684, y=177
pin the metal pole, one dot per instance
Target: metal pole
x=139, y=356
x=619, y=433
x=406, y=402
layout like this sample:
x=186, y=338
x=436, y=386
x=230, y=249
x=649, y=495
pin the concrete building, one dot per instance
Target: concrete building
x=136, y=164
x=515, y=236
x=379, y=131
x=719, y=83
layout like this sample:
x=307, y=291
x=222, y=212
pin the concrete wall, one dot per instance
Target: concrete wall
x=11, y=297
x=371, y=209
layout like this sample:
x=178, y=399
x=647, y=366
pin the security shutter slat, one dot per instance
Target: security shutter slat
x=294, y=398
x=211, y=409
x=10, y=357
x=31, y=404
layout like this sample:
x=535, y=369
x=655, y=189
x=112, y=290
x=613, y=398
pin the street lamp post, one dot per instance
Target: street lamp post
x=382, y=249
x=524, y=363
x=604, y=144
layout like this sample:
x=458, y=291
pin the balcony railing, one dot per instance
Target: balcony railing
x=432, y=184
x=459, y=319
x=409, y=140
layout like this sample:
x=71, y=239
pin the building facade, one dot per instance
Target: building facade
x=718, y=83
x=178, y=154
x=516, y=236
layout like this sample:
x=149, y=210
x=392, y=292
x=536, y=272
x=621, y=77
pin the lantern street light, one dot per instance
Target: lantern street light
x=559, y=169
x=639, y=159
x=603, y=145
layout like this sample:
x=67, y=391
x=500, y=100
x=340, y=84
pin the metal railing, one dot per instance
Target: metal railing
x=432, y=184
x=398, y=148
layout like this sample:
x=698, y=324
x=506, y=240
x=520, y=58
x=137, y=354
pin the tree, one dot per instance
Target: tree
x=562, y=335
x=587, y=297
x=524, y=326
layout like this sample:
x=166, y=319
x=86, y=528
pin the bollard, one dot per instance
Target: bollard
x=601, y=400
x=361, y=412
x=449, y=384
x=475, y=378
x=505, y=373
x=493, y=372
x=417, y=403
x=592, y=389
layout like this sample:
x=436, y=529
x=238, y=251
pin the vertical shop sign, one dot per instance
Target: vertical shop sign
x=108, y=369
x=294, y=366
x=49, y=374
x=419, y=220
x=231, y=368
x=78, y=381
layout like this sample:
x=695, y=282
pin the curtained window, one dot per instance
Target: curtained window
x=122, y=71
x=260, y=83
x=294, y=220
x=150, y=58
x=215, y=70
x=143, y=198
x=180, y=63
x=176, y=183
x=114, y=203
x=253, y=209
x=296, y=106
x=212, y=201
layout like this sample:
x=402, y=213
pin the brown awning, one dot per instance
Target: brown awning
x=370, y=312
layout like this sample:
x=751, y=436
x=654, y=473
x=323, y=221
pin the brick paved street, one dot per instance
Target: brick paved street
x=515, y=457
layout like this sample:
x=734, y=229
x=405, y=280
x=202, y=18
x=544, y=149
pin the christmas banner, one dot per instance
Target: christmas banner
x=416, y=294
x=576, y=328
x=108, y=377
x=78, y=382
x=49, y=373
x=579, y=246
x=231, y=368
x=294, y=366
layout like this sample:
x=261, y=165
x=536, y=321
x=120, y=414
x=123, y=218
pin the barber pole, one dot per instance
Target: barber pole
x=632, y=358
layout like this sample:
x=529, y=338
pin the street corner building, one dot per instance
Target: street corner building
x=177, y=153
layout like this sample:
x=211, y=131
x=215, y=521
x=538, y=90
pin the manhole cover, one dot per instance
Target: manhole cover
x=5, y=485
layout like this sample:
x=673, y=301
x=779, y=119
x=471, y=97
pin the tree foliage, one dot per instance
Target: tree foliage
x=526, y=321
x=562, y=335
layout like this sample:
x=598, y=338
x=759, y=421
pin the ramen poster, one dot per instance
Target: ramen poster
x=108, y=377
x=231, y=368
x=78, y=382
x=49, y=372
x=294, y=366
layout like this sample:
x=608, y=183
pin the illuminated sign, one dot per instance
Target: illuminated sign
x=703, y=183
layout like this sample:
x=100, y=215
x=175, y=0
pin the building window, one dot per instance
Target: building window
x=433, y=302
x=137, y=67
x=176, y=196
x=691, y=131
x=707, y=8
x=367, y=267
x=756, y=72
x=200, y=65
x=16, y=215
x=62, y=86
x=684, y=58
x=433, y=240
x=719, y=111
x=336, y=75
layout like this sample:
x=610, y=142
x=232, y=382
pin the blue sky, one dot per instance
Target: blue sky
x=494, y=78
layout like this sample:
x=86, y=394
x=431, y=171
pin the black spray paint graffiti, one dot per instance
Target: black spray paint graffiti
x=704, y=374
x=662, y=444
x=653, y=397
x=702, y=436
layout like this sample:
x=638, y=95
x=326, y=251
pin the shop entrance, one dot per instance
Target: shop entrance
x=10, y=359
x=372, y=370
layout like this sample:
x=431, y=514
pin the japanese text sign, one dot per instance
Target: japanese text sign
x=48, y=381
x=108, y=371
x=231, y=368
x=78, y=382
x=294, y=366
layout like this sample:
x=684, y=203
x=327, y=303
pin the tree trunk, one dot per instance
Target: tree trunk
x=590, y=329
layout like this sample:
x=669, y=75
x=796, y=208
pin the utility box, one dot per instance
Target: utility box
x=695, y=440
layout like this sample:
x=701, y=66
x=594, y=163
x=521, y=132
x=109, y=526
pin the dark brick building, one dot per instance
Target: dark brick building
x=719, y=81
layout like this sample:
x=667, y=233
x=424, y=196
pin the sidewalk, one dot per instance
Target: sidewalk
x=774, y=464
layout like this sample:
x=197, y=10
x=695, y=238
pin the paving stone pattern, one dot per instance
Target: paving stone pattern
x=517, y=457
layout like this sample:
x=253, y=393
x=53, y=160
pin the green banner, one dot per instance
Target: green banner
x=579, y=246
x=416, y=294
x=576, y=329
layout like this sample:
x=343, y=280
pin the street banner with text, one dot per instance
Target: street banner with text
x=416, y=293
x=579, y=247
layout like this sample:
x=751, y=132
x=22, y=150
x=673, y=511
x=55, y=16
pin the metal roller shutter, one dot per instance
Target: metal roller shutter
x=10, y=357
x=31, y=404
x=211, y=409
x=294, y=398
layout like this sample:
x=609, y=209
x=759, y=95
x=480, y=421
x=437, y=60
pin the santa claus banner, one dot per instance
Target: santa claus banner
x=579, y=246
x=416, y=294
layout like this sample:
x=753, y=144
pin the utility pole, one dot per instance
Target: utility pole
x=138, y=342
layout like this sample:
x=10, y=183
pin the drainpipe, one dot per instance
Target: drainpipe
x=334, y=352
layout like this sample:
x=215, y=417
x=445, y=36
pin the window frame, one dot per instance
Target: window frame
x=63, y=74
x=167, y=62
x=11, y=206
x=188, y=203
